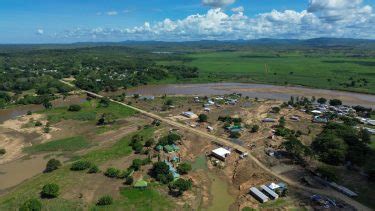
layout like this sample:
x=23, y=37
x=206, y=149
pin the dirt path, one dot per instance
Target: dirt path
x=241, y=149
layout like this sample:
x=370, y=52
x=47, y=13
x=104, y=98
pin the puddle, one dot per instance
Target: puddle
x=221, y=199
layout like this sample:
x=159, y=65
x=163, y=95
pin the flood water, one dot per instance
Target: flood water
x=221, y=199
x=261, y=91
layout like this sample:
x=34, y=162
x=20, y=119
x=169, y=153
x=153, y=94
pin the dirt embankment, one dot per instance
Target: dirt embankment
x=15, y=134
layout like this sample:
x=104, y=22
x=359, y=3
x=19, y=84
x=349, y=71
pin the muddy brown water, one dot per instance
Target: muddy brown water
x=221, y=199
x=11, y=113
x=262, y=91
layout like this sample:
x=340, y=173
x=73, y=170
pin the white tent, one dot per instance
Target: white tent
x=273, y=186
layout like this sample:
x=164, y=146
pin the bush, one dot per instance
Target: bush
x=129, y=180
x=136, y=165
x=93, y=169
x=46, y=129
x=74, y=108
x=149, y=142
x=202, y=118
x=104, y=201
x=327, y=173
x=160, y=171
x=52, y=165
x=335, y=102
x=322, y=100
x=31, y=205
x=38, y=124
x=80, y=165
x=29, y=113
x=180, y=186
x=50, y=190
x=255, y=128
x=184, y=168
x=2, y=151
x=112, y=173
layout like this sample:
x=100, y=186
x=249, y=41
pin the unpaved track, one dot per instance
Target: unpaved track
x=225, y=142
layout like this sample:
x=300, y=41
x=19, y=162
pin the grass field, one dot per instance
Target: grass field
x=327, y=72
x=136, y=199
x=89, y=112
x=67, y=144
x=67, y=179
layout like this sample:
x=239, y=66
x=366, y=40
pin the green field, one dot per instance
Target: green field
x=67, y=144
x=331, y=71
x=90, y=112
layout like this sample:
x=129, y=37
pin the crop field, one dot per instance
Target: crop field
x=332, y=71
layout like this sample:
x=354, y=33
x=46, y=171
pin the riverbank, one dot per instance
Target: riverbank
x=261, y=91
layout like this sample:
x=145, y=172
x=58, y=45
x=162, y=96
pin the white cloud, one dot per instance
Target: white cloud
x=112, y=13
x=238, y=9
x=217, y=3
x=39, y=31
x=352, y=20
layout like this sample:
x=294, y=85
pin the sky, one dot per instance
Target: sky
x=67, y=21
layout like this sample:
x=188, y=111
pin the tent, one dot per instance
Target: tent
x=140, y=184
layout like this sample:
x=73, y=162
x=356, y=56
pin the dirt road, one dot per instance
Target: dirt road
x=225, y=142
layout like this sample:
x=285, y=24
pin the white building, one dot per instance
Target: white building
x=221, y=153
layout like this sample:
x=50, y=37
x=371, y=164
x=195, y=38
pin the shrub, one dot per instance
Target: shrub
x=275, y=110
x=160, y=171
x=322, y=100
x=129, y=180
x=235, y=135
x=136, y=165
x=80, y=165
x=335, y=102
x=180, y=186
x=93, y=169
x=104, y=201
x=184, y=168
x=327, y=173
x=202, y=118
x=2, y=151
x=50, y=190
x=74, y=108
x=137, y=147
x=149, y=142
x=46, y=129
x=31, y=205
x=52, y=165
x=38, y=124
x=255, y=128
x=29, y=113
x=112, y=173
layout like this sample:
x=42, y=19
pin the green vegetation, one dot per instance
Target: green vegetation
x=90, y=111
x=67, y=144
x=202, y=118
x=104, y=201
x=331, y=68
x=80, y=165
x=179, y=186
x=31, y=205
x=50, y=190
x=184, y=168
x=160, y=171
x=2, y=151
x=52, y=165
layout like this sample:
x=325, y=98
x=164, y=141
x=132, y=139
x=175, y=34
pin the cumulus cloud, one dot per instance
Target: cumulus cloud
x=238, y=9
x=112, y=13
x=39, y=31
x=352, y=20
x=217, y=3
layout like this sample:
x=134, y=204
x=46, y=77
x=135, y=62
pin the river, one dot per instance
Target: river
x=262, y=91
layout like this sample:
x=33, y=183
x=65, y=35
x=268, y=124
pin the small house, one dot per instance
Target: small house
x=189, y=114
x=268, y=120
x=209, y=128
x=220, y=153
x=258, y=195
x=269, y=192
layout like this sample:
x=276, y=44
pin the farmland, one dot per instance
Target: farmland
x=332, y=71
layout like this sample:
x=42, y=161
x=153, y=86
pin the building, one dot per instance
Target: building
x=189, y=114
x=269, y=192
x=141, y=184
x=220, y=153
x=268, y=120
x=258, y=195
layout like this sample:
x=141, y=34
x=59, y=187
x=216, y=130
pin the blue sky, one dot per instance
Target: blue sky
x=55, y=21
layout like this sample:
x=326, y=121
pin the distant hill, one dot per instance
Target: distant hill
x=206, y=44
